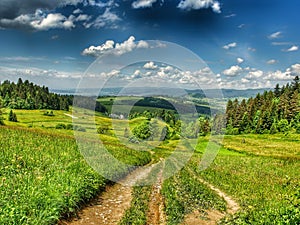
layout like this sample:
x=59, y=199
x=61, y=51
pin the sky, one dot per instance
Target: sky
x=241, y=44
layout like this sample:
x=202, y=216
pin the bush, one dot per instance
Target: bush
x=298, y=129
x=69, y=126
x=60, y=126
x=48, y=114
x=283, y=125
x=102, y=130
x=233, y=131
x=143, y=131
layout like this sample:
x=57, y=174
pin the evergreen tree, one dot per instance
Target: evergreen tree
x=26, y=95
x=277, y=91
x=269, y=112
x=12, y=116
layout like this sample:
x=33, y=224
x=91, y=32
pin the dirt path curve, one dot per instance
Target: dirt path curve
x=109, y=207
x=156, y=214
x=232, y=205
x=212, y=216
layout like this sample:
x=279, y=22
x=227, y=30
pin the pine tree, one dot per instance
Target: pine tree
x=296, y=84
x=12, y=116
x=277, y=91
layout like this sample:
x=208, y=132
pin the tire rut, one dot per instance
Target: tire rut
x=156, y=214
x=211, y=217
x=109, y=207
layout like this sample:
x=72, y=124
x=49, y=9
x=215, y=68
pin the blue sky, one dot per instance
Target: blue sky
x=246, y=44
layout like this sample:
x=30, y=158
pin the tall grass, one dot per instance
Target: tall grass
x=44, y=177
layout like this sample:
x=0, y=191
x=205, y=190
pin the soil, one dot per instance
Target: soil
x=109, y=207
x=156, y=214
x=211, y=217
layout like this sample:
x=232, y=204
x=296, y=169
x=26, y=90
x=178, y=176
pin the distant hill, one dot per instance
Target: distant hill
x=143, y=91
x=227, y=93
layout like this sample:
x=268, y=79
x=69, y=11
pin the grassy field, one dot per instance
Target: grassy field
x=266, y=187
x=43, y=176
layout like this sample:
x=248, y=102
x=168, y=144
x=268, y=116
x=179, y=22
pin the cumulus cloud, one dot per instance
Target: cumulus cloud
x=110, y=47
x=230, y=45
x=275, y=35
x=294, y=69
x=40, y=15
x=233, y=71
x=143, y=4
x=83, y=17
x=200, y=4
x=239, y=60
x=40, y=21
x=150, y=65
x=292, y=49
x=278, y=76
x=255, y=74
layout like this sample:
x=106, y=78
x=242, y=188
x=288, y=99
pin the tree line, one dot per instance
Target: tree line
x=26, y=95
x=273, y=111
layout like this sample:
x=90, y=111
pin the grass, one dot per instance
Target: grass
x=266, y=187
x=184, y=193
x=43, y=176
x=277, y=146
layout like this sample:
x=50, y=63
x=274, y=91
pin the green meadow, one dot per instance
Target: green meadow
x=44, y=177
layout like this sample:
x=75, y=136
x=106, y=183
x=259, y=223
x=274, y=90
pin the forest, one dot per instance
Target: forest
x=26, y=95
x=273, y=111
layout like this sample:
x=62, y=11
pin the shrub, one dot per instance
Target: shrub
x=60, y=126
x=143, y=131
x=102, y=130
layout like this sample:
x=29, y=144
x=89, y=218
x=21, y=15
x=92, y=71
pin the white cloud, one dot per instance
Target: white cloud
x=233, y=71
x=230, y=15
x=200, y=4
x=143, y=4
x=40, y=21
x=272, y=61
x=280, y=43
x=292, y=49
x=245, y=81
x=241, y=26
x=275, y=35
x=294, y=69
x=255, y=74
x=278, y=76
x=108, y=18
x=83, y=17
x=77, y=11
x=110, y=47
x=251, y=49
x=150, y=65
x=230, y=45
x=51, y=21
x=239, y=60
